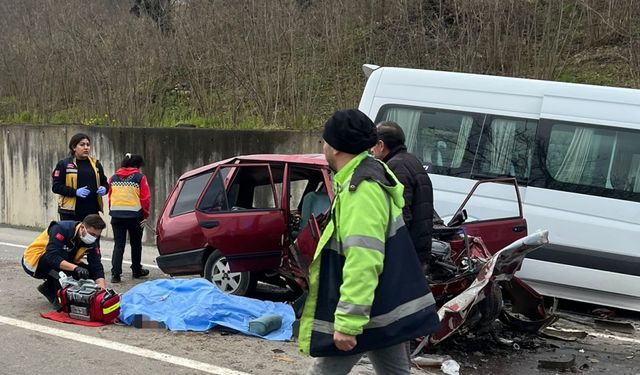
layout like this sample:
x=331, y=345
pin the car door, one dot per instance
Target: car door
x=240, y=215
x=495, y=229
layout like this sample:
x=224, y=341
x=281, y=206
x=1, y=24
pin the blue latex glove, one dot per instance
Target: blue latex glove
x=82, y=192
x=102, y=190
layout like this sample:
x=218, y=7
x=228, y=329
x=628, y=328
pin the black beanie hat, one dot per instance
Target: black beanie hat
x=350, y=131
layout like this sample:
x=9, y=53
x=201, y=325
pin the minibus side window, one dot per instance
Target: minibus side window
x=444, y=140
x=506, y=149
x=590, y=159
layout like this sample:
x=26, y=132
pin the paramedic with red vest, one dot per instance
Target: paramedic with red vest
x=61, y=247
x=79, y=181
x=129, y=201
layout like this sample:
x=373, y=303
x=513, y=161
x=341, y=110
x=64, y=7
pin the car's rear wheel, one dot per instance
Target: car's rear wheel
x=218, y=272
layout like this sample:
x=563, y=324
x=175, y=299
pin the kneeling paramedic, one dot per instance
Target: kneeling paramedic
x=61, y=247
x=367, y=292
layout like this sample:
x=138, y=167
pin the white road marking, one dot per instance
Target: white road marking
x=614, y=337
x=127, y=262
x=103, y=258
x=129, y=349
x=598, y=334
x=12, y=245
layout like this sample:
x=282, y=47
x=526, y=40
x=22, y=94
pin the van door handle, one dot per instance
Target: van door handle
x=209, y=224
x=519, y=228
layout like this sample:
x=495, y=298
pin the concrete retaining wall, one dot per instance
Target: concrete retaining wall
x=30, y=152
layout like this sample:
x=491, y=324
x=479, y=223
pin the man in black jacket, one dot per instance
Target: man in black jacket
x=418, y=192
x=62, y=247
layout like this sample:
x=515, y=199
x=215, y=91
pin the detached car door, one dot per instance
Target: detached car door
x=240, y=215
x=495, y=229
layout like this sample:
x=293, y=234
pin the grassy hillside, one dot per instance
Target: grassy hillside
x=284, y=63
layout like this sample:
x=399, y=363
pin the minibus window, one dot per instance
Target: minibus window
x=601, y=158
x=442, y=139
x=446, y=138
x=506, y=149
x=634, y=174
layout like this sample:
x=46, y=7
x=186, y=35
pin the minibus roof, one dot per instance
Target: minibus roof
x=506, y=95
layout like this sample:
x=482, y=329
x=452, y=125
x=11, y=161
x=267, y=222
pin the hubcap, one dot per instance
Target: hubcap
x=223, y=278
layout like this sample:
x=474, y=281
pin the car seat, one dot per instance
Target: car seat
x=315, y=202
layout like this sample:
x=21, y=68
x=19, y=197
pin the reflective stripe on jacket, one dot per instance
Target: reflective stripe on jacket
x=70, y=168
x=124, y=196
x=365, y=278
x=63, y=233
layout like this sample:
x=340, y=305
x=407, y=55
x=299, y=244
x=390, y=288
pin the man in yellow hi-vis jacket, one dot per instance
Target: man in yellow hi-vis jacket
x=367, y=291
x=61, y=247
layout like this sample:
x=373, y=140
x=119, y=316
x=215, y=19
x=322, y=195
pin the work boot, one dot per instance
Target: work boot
x=115, y=279
x=142, y=272
x=48, y=292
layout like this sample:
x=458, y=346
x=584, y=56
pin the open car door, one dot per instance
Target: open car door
x=241, y=216
x=496, y=229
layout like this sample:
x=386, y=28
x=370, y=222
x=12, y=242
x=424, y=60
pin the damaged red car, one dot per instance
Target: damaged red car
x=253, y=218
x=232, y=221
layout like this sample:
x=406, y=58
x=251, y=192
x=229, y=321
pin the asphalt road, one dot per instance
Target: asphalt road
x=30, y=344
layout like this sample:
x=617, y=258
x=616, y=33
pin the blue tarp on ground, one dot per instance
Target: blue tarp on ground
x=197, y=305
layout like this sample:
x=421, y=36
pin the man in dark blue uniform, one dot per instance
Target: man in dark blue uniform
x=61, y=247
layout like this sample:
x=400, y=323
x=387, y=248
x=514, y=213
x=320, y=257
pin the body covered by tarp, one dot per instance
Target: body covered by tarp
x=197, y=305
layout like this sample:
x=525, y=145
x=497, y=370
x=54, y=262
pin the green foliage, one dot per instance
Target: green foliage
x=23, y=117
x=188, y=117
x=602, y=67
x=606, y=77
x=7, y=102
x=304, y=122
x=286, y=65
x=66, y=116
x=104, y=120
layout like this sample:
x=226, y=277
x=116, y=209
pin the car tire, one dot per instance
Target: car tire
x=216, y=270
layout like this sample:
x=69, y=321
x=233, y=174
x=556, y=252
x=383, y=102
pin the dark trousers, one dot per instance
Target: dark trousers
x=70, y=217
x=390, y=360
x=50, y=275
x=120, y=229
x=73, y=217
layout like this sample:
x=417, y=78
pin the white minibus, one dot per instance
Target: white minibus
x=574, y=150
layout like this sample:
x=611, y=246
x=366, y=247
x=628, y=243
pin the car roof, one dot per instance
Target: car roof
x=309, y=159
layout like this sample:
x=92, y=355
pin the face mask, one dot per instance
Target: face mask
x=87, y=239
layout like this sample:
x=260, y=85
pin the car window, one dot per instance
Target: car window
x=189, y=194
x=296, y=192
x=484, y=204
x=215, y=198
x=263, y=197
x=302, y=180
x=277, y=173
x=248, y=187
